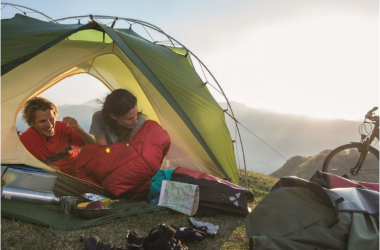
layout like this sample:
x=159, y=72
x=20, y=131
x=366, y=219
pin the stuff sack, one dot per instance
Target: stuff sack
x=215, y=193
x=298, y=214
x=330, y=181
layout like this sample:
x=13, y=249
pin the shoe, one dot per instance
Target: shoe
x=160, y=238
x=94, y=243
x=134, y=240
x=189, y=234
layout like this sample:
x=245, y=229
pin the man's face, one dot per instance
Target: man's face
x=44, y=122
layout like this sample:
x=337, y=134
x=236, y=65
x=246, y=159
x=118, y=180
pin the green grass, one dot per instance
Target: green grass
x=17, y=234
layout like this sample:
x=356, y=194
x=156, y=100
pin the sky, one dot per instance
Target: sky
x=311, y=57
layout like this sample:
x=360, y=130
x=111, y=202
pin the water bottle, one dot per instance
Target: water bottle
x=39, y=197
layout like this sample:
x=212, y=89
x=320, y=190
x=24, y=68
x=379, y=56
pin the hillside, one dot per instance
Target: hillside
x=290, y=135
x=302, y=167
x=305, y=167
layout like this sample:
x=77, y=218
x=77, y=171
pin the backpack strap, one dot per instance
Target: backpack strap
x=336, y=219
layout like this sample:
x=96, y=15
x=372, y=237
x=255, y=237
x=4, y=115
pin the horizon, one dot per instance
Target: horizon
x=50, y=96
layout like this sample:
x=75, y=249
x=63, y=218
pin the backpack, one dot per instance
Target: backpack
x=299, y=214
x=216, y=193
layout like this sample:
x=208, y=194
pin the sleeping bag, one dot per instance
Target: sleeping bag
x=125, y=167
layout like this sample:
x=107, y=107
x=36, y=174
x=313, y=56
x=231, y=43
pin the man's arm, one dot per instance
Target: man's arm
x=75, y=125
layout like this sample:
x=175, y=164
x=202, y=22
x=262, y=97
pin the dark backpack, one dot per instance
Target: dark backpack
x=216, y=193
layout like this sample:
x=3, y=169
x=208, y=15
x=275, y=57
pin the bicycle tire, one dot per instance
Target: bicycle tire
x=340, y=160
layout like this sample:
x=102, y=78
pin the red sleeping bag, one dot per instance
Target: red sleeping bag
x=125, y=166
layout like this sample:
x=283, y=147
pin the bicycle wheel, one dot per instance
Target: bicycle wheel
x=342, y=159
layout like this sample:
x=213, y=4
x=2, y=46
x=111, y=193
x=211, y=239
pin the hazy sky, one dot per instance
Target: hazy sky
x=314, y=57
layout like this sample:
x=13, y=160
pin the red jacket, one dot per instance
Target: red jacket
x=125, y=166
x=55, y=150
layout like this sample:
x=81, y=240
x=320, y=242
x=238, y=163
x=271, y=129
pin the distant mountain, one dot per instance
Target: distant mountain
x=95, y=103
x=305, y=167
x=302, y=167
x=290, y=135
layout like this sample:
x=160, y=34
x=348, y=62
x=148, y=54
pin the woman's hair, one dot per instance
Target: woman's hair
x=118, y=102
x=34, y=104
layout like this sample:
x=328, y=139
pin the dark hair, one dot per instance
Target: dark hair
x=34, y=104
x=118, y=102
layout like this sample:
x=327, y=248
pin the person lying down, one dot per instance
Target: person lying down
x=129, y=149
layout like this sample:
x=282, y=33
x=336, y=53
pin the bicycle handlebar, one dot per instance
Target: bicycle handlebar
x=370, y=115
x=372, y=110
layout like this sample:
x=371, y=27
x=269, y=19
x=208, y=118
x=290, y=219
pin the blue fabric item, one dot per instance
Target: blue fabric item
x=25, y=168
x=156, y=182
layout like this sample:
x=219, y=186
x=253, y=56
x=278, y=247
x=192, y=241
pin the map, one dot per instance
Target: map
x=181, y=197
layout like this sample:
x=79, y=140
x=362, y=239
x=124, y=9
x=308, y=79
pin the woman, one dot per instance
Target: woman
x=118, y=120
x=128, y=150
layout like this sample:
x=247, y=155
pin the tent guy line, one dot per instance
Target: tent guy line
x=256, y=136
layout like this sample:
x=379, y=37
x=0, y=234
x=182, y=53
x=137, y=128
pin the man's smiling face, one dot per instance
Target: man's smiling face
x=44, y=122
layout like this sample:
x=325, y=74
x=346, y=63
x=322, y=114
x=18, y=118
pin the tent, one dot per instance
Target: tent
x=36, y=55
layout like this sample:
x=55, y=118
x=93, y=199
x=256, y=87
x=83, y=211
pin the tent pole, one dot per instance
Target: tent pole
x=242, y=149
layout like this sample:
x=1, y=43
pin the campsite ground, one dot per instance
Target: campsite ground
x=17, y=234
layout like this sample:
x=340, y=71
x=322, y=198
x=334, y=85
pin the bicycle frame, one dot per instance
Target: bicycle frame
x=366, y=143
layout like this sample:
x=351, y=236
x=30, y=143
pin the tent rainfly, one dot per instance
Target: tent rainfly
x=36, y=55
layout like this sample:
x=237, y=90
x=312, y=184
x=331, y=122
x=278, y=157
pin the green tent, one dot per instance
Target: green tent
x=36, y=55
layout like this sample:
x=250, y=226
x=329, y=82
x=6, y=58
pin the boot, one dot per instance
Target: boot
x=94, y=243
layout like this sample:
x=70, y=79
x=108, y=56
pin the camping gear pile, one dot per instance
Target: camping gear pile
x=163, y=237
x=192, y=192
x=301, y=214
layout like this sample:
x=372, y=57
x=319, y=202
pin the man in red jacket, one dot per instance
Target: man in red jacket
x=52, y=141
